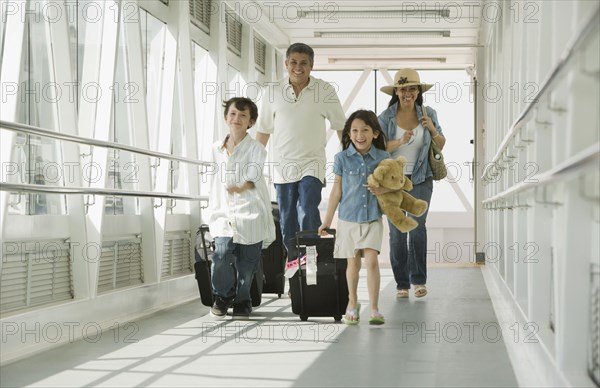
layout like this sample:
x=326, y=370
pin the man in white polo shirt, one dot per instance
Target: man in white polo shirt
x=294, y=111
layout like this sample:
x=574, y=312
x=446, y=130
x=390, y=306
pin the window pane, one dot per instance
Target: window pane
x=344, y=82
x=178, y=180
x=122, y=166
x=153, y=46
x=38, y=158
x=77, y=28
x=2, y=35
x=206, y=100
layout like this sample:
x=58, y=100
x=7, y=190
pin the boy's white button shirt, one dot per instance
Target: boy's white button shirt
x=244, y=216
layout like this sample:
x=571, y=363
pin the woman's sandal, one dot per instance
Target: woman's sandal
x=376, y=319
x=352, y=317
x=402, y=293
x=420, y=290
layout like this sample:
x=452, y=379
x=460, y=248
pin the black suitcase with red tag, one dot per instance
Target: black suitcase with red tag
x=329, y=297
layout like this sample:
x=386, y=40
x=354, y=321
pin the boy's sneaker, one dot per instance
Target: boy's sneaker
x=219, y=307
x=242, y=310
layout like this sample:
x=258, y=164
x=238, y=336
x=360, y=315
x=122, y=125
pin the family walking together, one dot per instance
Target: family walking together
x=293, y=115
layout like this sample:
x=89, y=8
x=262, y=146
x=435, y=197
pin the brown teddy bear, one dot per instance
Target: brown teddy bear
x=390, y=174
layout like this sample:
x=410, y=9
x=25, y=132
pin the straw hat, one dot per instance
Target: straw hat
x=404, y=78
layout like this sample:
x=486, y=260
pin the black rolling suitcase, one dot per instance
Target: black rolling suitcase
x=273, y=259
x=203, y=255
x=329, y=297
x=203, y=259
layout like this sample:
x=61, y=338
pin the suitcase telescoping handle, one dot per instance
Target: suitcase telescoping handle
x=313, y=233
x=203, y=230
x=305, y=233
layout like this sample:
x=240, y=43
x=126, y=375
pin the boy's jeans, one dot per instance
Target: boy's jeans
x=233, y=266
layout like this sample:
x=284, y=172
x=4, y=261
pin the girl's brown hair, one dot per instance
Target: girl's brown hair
x=370, y=118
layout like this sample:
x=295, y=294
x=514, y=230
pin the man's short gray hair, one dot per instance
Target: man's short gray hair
x=301, y=48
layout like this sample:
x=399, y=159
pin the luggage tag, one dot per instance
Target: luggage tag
x=311, y=265
x=291, y=267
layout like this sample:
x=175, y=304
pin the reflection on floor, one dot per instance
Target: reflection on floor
x=449, y=338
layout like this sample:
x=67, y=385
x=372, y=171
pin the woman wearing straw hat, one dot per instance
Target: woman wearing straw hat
x=410, y=134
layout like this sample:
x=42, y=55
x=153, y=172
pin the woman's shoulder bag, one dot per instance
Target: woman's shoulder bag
x=436, y=159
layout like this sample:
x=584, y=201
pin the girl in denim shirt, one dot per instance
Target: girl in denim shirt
x=360, y=228
x=410, y=133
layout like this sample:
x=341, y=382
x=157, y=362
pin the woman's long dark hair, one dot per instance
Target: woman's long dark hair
x=395, y=97
x=370, y=118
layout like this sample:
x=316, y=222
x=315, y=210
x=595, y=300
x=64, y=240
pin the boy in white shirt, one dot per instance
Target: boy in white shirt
x=239, y=212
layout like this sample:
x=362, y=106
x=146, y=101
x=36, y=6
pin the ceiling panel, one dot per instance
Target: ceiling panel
x=358, y=33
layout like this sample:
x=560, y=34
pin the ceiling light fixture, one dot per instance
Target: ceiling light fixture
x=408, y=13
x=355, y=60
x=382, y=34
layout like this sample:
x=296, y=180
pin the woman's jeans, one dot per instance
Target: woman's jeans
x=233, y=266
x=298, y=209
x=408, y=251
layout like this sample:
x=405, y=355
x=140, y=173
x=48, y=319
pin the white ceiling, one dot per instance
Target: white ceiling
x=355, y=34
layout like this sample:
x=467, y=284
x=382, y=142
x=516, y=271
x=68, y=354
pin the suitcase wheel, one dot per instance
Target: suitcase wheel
x=279, y=296
x=337, y=318
x=304, y=317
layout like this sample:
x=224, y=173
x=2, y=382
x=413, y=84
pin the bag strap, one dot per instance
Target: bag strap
x=425, y=115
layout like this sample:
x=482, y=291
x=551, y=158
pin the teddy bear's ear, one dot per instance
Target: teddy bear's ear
x=401, y=159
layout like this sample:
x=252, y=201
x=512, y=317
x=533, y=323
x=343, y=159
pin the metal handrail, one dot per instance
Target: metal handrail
x=20, y=187
x=565, y=58
x=94, y=142
x=588, y=158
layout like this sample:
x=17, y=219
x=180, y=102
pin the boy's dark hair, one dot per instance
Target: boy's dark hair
x=370, y=118
x=301, y=48
x=418, y=101
x=241, y=103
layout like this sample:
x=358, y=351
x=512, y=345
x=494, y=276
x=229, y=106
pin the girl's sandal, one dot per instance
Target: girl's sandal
x=352, y=317
x=376, y=319
x=402, y=293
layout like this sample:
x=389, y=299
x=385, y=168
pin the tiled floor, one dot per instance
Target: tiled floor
x=449, y=338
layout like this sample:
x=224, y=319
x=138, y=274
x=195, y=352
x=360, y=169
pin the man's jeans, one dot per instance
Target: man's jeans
x=298, y=209
x=233, y=266
x=408, y=251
